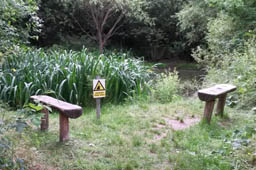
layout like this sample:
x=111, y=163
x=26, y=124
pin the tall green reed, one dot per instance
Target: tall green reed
x=68, y=75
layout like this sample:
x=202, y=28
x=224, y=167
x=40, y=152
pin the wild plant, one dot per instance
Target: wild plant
x=68, y=75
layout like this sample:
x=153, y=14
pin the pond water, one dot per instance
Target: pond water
x=187, y=70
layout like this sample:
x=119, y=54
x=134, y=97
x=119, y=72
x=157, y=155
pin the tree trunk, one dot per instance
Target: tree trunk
x=100, y=41
x=101, y=46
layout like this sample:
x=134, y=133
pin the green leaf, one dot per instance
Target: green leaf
x=37, y=108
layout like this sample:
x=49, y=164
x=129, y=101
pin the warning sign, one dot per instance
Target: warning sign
x=99, y=90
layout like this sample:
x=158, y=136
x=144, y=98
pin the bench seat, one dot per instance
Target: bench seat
x=209, y=95
x=216, y=91
x=66, y=111
x=69, y=110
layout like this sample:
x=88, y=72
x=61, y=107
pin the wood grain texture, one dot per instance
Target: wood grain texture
x=70, y=110
x=221, y=104
x=98, y=110
x=45, y=120
x=208, y=109
x=64, y=128
x=214, y=92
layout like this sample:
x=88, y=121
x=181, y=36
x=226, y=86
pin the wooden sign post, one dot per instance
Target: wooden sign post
x=99, y=91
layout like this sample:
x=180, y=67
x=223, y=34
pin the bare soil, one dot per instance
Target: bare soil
x=180, y=125
x=175, y=125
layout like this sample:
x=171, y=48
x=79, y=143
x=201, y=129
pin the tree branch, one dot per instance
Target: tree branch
x=110, y=32
x=94, y=17
x=106, y=17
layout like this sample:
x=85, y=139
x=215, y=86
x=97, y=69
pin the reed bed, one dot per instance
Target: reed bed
x=68, y=75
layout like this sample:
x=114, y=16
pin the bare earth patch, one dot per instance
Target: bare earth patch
x=175, y=125
x=178, y=125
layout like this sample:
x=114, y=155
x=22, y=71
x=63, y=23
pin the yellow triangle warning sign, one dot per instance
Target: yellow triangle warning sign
x=99, y=87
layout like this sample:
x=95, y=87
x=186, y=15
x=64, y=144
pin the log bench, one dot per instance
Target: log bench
x=209, y=95
x=66, y=111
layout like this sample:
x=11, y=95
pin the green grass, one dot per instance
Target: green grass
x=128, y=137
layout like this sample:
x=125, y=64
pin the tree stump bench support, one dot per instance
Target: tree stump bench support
x=209, y=95
x=66, y=111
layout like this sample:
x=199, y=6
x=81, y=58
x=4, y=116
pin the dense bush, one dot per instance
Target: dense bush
x=68, y=75
x=18, y=23
x=238, y=68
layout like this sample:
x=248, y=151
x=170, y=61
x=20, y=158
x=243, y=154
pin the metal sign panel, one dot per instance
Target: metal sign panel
x=99, y=90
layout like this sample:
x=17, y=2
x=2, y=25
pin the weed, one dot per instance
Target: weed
x=153, y=148
x=166, y=87
x=137, y=141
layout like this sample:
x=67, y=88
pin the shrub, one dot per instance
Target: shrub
x=68, y=75
x=166, y=87
x=224, y=34
x=18, y=23
x=9, y=122
x=237, y=68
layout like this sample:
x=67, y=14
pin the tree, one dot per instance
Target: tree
x=105, y=17
x=193, y=20
x=161, y=37
x=218, y=26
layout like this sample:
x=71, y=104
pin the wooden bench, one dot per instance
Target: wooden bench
x=209, y=95
x=66, y=111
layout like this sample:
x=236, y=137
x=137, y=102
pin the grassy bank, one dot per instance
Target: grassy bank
x=138, y=136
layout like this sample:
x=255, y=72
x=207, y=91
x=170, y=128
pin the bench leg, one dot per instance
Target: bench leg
x=64, y=128
x=220, y=105
x=208, y=110
x=45, y=120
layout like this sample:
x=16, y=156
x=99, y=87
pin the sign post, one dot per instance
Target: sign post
x=99, y=91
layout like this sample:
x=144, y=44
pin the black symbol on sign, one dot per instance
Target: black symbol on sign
x=99, y=87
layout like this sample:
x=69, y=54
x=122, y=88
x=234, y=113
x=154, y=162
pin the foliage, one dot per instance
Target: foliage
x=193, y=19
x=160, y=38
x=237, y=68
x=18, y=23
x=104, y=17
x=8, y=123
x=166, y=87
x=224, y=26
x=223, y=34
x=57, y=22
x=189, y=88
x=68, y=75
x=148, y=27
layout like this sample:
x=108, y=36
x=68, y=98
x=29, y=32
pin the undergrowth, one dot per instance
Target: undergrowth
x=166, y=87
x=238, y=68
